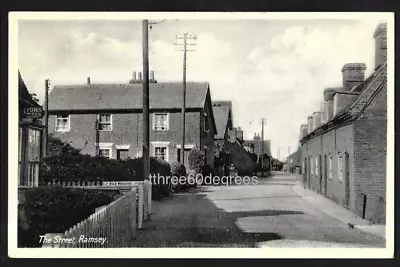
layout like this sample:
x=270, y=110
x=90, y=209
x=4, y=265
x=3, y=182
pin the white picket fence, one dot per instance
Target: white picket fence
x=111, y=226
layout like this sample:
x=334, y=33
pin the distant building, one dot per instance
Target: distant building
x=30, y=133
x=227, y=143
x=106, y=119
x=293, y=162
x=343, y=146
x=255, y=147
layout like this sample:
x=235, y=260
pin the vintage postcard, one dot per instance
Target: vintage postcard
x=257, y=135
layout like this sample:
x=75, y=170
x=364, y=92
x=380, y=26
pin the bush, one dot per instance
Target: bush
x=74, y=168
x=55, y=209
x=178, y=170
x=57, y=147
x=196, y=160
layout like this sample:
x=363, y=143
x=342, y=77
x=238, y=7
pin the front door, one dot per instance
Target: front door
x=122, y=153
x=187, y=150
x=325, y=175
x=347, y=179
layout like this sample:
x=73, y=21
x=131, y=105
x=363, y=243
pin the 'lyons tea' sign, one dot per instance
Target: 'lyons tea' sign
x=33, y=112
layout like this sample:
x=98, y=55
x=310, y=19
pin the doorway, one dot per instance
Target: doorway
x=325, y=175
x=347, y=179
x=187, y=150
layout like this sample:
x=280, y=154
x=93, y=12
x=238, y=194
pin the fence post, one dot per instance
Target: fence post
x=148, y=197
x=133, y=210
x=140, y=215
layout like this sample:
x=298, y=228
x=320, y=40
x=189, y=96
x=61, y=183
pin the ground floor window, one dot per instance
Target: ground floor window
x=105, y=152
x=160, y=152
x=29, y=155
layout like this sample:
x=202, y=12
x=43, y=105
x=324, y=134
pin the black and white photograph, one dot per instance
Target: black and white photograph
x=245, y=134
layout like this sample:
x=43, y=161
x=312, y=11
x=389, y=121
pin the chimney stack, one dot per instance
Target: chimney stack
x=239, y=133
x=353, y=75
x=380, y=45
x=328, y=104
x=310, y=124
x=316, y=119
x=151, y=75
x=139, y=76
x=133, y=75
x=233, y=135
x=88, y=80
x=322, y=109
x=303, y=130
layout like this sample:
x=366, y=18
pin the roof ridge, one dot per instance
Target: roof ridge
x=378, y=73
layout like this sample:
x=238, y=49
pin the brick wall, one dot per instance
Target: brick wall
x=370, y=163
x=127, y=130
x=365, y=141
x=331, y=144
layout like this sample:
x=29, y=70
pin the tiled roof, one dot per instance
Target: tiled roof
x=352, y=110
x=126, y=96
x=23, y=92
x=257, y=145
x=221, y=111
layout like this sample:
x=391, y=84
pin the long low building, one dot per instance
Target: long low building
x=343, y=146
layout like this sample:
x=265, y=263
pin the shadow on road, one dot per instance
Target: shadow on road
x=192, y=220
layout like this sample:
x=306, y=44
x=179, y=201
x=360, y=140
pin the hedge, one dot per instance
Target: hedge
x=78, y=167
x=196, y=160
x=54, y=209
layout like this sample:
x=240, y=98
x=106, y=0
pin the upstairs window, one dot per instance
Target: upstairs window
x=160, y=122
x=105, y=122
x=316, y=166
x=62, y=123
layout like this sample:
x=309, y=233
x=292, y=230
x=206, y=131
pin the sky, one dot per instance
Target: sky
x=273, y=69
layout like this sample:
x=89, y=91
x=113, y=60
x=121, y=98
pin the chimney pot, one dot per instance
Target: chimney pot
x=303, y=130
x=310, y=124
x=380, y=36
x=316, y=119
x=88, y=80
x=233, y=135
x=152, y=75
x=133, y=75
x=353, y=75
x=139, y=76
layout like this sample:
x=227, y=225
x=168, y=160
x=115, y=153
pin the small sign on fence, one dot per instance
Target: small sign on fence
x=119, y=183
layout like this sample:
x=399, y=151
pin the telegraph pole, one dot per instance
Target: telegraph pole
x=183, y=47
x=46, y=117
x=263, y=121
x=146, y=119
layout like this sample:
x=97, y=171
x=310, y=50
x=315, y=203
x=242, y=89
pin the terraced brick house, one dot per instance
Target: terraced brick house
x=343, y=146
x=106, y=119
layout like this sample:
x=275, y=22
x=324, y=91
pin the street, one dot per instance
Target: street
x=270, y=213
